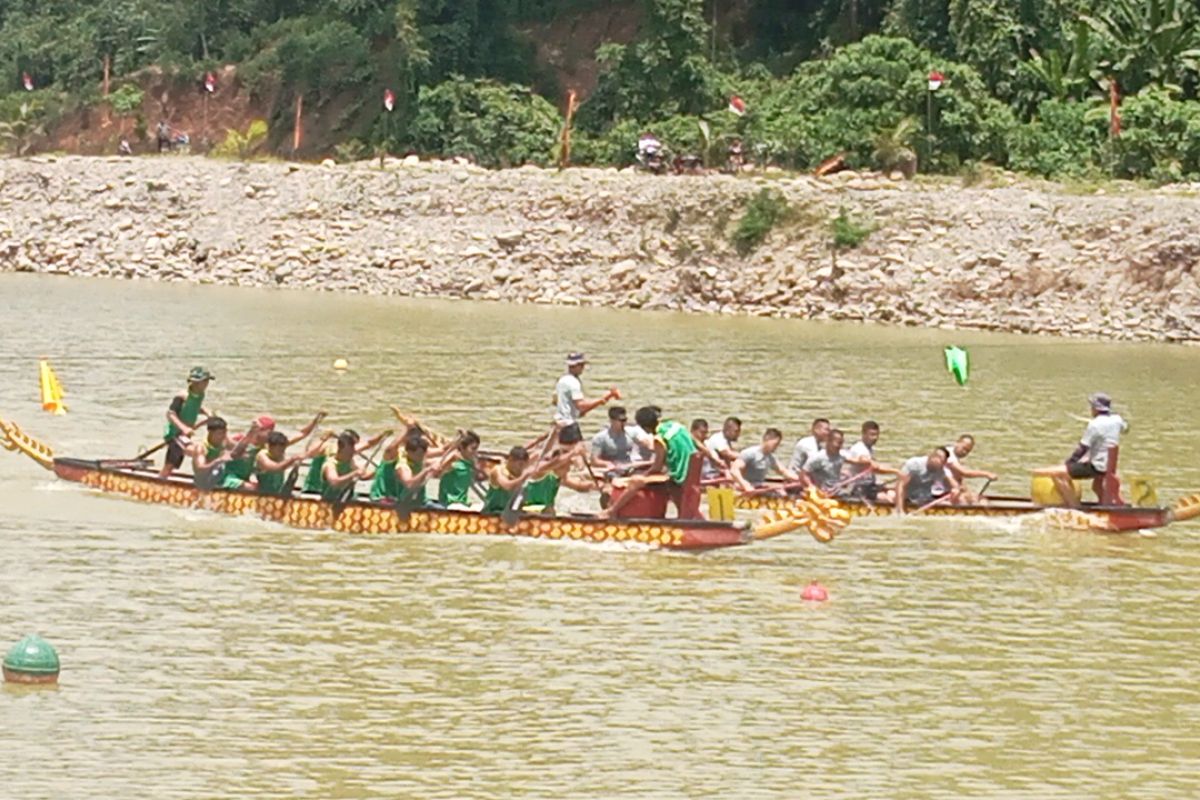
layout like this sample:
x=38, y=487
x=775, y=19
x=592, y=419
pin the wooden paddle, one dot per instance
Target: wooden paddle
x=512, y=512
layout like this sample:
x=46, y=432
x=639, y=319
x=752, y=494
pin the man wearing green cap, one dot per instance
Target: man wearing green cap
x=182, y=415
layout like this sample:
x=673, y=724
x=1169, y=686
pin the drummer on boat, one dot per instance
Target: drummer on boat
x=673, y=450
x=185, y=410
x=1090, y=458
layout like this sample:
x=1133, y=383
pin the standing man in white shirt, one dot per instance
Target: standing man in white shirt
x=570, y=403
x=1090, y=459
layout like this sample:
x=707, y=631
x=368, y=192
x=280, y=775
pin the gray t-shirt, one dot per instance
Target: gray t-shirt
x=924, y=483
x=717, y=442
x=860, y=450
x=1102, y=433
x=825, y=470
x=568, y=389
x=757, y=464
x=806, y=448
x=616, y=447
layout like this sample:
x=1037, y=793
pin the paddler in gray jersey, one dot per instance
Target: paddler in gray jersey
x=615, y=449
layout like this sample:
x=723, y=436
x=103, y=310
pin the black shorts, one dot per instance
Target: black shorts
x=1082, y=469
x=570, y=434
x=174, y=454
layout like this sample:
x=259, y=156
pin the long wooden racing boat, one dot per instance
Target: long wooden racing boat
x=138, y=481
x=1089, y=516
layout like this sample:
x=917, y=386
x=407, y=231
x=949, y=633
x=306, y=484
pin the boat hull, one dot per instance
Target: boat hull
x=368, y=518
x=1111, y=519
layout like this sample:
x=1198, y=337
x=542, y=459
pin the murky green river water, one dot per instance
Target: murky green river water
x=209, y=657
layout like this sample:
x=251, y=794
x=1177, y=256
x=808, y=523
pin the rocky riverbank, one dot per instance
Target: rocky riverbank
x=1012, y=256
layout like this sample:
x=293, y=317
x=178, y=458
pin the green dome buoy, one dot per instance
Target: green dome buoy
x=31, y=660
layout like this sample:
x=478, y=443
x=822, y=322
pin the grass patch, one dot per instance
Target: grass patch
x=764, y=211
x=848, y=232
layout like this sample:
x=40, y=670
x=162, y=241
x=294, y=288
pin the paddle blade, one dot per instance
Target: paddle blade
x=958, y=364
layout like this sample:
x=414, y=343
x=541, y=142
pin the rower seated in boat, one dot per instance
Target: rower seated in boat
x=723, y=446
x=271, y=465
x=954, y=464
x=454, y=486
x=1090, y=459
x=541, y=492
x=210, y=455
x=752, y=466
x=403, y=481
x=343, y=472
x=924, y=481
x=810, y=445
x=823, y=469
x=673, y=451
x=314, y=480
x=616, y=448
x=239, y=471
x=862, y=468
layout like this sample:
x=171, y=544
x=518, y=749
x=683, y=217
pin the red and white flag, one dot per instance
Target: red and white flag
x=210, y=82
x=27, y=81
x=936, y=79
x=737, y=106
x=389, y=99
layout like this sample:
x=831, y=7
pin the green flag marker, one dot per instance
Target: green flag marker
x=958, y=363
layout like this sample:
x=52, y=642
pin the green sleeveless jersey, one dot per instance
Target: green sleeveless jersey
x=331, y=493
x=188, y=414
x=314, y=480
x=497, y=499
x=455, y=485
x=680, y=447
x=542, y=492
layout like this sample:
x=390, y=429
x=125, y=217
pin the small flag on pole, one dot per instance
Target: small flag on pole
x=389, y=99
x=51, y=389
x=936, y=79
x=210, y=82
x=27, y=81
x=737, y=106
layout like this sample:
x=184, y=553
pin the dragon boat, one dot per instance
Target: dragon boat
x=137, y=480
x=1103, y=517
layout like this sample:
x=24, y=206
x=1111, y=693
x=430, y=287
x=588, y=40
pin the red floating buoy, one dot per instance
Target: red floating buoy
x=814, y=592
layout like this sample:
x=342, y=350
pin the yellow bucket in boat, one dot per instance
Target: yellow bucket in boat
x=1045, y=492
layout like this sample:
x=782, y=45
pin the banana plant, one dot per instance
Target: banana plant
x=1067, y=71
x=1148, y=41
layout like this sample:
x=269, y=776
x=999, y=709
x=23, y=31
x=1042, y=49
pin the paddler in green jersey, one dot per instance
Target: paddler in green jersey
x=210, y=454
x=454, y=486
x=541, y=492
x=403, y=480
x=673, y=450
x=182, y=415
x=271, y=465
x=343, y=471
x=239, y=471
x=314, y=481
x=506, y=478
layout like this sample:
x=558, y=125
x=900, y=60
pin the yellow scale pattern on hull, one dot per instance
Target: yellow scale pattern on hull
x=362, y=519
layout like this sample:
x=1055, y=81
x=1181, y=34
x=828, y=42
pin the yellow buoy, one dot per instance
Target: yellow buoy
x=341, y=364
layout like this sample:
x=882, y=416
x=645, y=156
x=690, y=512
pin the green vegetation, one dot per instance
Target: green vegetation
x=1026, y=84
x=242, y=145
x=764, y=211
x=847, y=232
x=19, y=131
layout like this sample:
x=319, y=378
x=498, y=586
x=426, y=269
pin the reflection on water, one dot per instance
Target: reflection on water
x=210, y=657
